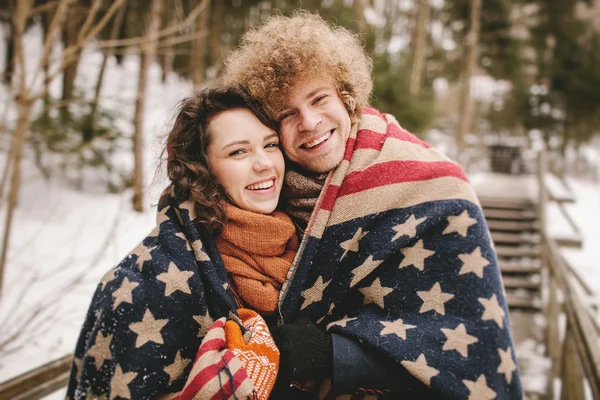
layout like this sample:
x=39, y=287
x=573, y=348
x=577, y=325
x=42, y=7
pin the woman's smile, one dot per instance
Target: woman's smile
x=245, y=158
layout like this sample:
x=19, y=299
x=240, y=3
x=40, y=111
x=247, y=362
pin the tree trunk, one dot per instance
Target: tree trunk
x=420, y=37
x=166, y=59
x=199, y=49
x=147, y=56
x=23, y=123
x=216, y=36
x=75, y=17
x=88, y=134
x=359, y=11
x=466, y=105
x=9, y=58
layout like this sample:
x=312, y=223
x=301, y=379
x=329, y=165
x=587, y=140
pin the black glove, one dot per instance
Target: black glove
x=305, y=350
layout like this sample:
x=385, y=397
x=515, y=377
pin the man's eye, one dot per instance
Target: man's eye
x=285, y=115
x=319, y=99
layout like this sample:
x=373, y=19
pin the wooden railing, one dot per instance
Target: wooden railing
x=572, y=342
x=39, y=382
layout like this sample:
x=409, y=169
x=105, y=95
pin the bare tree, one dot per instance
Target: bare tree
x=75, y=15
x=147, y=56
x=359, y=11
x=216, y=32
x=24, y=103
x=108, y=52
x=199, y=52
x=26, y=95
x=466, y=105
x=418, y=56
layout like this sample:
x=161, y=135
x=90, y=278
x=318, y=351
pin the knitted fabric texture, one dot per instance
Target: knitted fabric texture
x=149, y=314
x=218, y=372
x=300, y=192
x=257, y=251
x=397, y=257
x=259, y=355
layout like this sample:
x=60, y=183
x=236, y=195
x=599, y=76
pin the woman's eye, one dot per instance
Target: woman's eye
x=236, y=152
x=272, y=145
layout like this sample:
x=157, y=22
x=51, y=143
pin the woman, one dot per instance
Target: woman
x=219, y=245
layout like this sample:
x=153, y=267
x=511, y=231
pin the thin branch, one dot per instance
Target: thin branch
x=100, y=25
x=43, y=8
x=89, y=20
x=162, y=33
x=70, y=53
x=62, y=8
x=182, y=39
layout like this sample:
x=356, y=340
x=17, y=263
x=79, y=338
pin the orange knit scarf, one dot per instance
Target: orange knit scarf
x=257, y=251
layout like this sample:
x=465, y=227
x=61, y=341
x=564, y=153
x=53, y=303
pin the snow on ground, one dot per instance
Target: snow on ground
x=64, y=240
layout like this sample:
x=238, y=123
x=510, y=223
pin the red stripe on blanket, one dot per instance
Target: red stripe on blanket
x=371, y=111
x=396, y=172
x=238, y=379
x=369, y=139
x=389, y=173
x=329, y=198
x=215, y=344
x=396, y=132
x=204, y=376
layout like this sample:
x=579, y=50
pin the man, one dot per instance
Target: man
x=396, y=285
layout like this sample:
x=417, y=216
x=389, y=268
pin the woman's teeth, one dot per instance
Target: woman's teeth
x=315, y=142
x=262, y=185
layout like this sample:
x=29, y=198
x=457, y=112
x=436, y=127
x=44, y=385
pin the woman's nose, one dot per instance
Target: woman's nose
x=262, y=162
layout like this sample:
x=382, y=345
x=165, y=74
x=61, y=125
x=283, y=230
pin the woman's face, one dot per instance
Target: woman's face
x=245, y=158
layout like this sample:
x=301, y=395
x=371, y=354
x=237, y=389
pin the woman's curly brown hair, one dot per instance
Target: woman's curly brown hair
x=187, y=144
x=274, y=57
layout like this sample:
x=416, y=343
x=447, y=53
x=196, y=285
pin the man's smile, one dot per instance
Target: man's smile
x=317, y=141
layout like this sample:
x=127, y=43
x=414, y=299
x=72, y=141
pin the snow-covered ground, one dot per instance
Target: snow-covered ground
x=64, y=240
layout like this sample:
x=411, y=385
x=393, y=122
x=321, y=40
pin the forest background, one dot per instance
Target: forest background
x=82, y=80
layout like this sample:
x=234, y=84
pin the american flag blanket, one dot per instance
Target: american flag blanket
x=397, y=256
x=150, y=313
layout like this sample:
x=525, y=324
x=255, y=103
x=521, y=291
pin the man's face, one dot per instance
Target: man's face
x=315, y=125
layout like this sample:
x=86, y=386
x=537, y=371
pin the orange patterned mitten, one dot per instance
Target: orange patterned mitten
x=259, y=355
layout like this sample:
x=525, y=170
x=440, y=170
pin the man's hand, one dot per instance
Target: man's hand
x=306, y=351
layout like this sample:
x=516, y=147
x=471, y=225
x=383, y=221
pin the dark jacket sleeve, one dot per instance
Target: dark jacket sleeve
x=360, y=370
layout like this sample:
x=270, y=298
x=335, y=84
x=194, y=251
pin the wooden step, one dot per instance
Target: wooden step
x=507, y=203
x=513, y=226
x=511, y=251
x=515, y=238
x=513, y=282
x=572, y=241
x=518, y=215
x=510, y=268
x=524, y=303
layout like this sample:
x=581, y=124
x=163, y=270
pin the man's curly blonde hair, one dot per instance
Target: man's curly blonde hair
x=284, y=51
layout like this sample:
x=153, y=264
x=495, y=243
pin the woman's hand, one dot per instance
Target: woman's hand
x=258, y=354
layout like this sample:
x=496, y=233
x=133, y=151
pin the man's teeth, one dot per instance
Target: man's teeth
x=262, y=185
x=323, y=138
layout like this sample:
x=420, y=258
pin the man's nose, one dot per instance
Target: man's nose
x=262, y=162
x=309, y=120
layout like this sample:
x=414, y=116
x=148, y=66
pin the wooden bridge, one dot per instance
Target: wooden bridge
x=540, y=285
